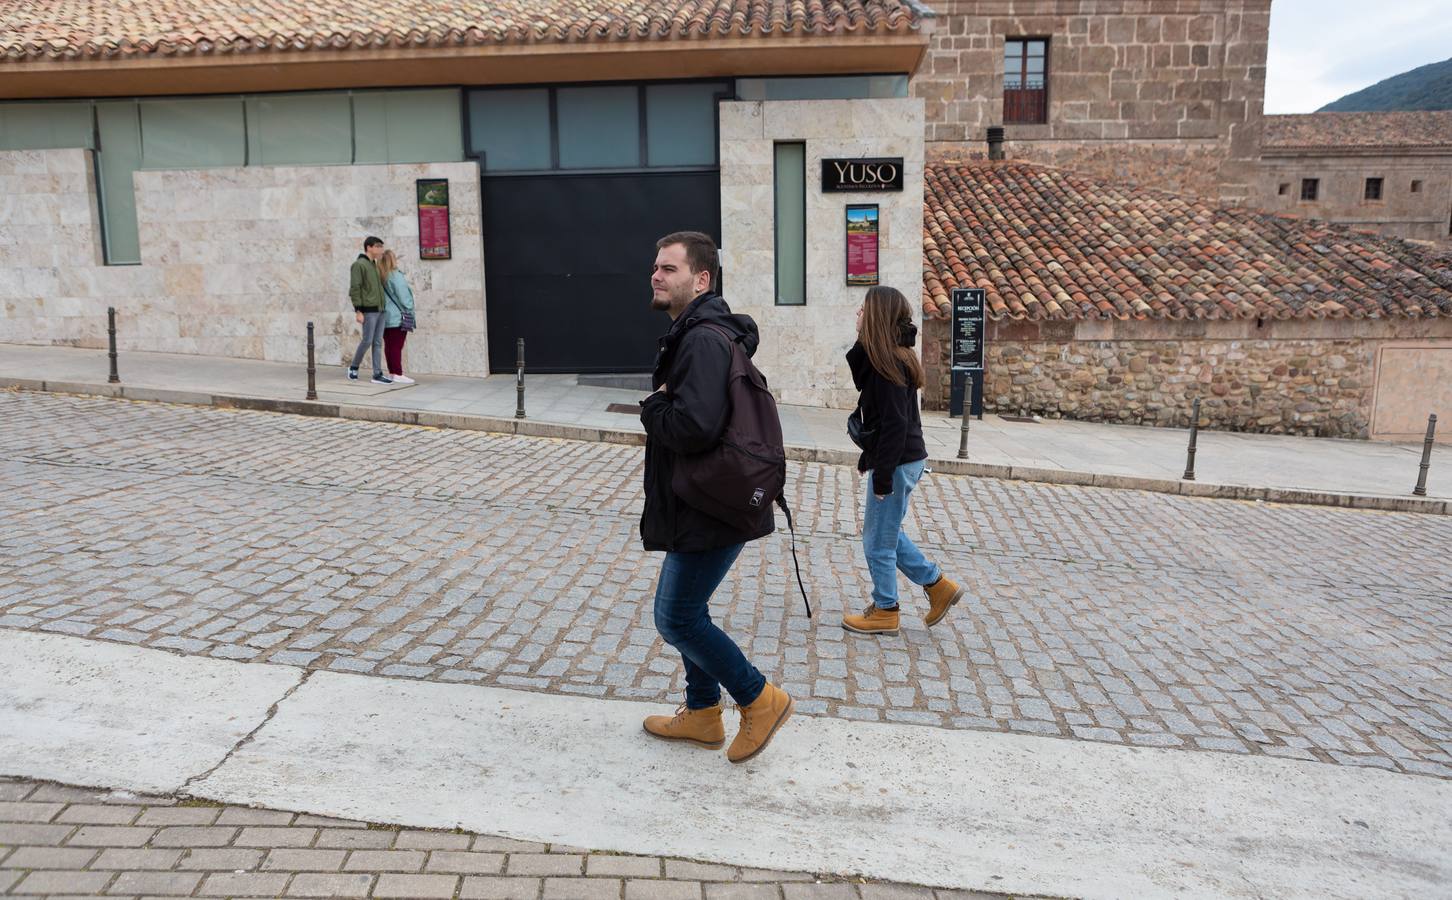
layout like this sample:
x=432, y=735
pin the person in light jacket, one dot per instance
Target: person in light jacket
x=887, y=371
x=398, y=299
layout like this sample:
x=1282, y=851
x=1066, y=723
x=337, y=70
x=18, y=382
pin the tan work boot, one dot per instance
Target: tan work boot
x=873, y=620
x=943, y=594
x=699, y=726
x=759, y=722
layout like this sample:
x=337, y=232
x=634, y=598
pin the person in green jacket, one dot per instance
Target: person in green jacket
x=365, y=289
x=399, y=302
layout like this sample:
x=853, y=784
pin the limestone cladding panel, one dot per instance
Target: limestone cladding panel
x=1120, y=71
x=1297, y=377
x=1424, y=214
x=803, y=347
x=235, y=262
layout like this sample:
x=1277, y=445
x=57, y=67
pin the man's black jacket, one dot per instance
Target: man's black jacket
x=689, y=417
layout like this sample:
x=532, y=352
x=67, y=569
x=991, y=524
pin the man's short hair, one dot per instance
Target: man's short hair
x=700, y=250
x=371, y=241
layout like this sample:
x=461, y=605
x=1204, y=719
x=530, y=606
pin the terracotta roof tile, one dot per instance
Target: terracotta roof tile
x=100, y=29
x=1048, y=244
x=1339, y=130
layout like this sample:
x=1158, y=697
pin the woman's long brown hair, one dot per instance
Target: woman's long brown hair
x=885, y=315
x=387, y=264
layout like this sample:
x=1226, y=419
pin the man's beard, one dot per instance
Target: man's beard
x=660, y=304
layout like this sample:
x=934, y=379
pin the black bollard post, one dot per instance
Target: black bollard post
x=967, y=414
x=1194, y=432
x=312, y=367
x=519, y=379
x=115, y=377
x=1421, y=489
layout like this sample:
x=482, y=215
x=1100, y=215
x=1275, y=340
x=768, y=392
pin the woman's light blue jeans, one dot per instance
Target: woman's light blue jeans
x=887, y=548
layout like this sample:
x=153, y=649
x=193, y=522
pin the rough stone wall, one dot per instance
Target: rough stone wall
x=1124, y=75
x=1309, y=378
x=235, y=261
x=802, y=347
x=1424, y=215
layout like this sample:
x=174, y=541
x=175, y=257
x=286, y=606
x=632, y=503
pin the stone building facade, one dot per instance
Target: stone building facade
x=1388, y=172
x=1160, y=93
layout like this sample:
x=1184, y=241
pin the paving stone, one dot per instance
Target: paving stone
x=582, y=889
x=264, y=836
x=384, y=861
x=7, y=879
x=742, y=892
x=241, y=815
x=506, y=845
x=818, y=892
x=228, y=860
x=244, y=884
x=655, y=889
x=161, y=884
x=50, y=858
x=431, y=840
x=58, y=882
x=421, y=887
x=32, y=812
x=180, y=815
x=354, y=839
x=15, y=790
x=293, y=860
x=111, y=836
x=97, y=814
x=774, y=875
x=694, y=871
x=893, y=892
x=485, y=888
x=465, y=863
x=189, y=836
x=545, y=864
x=626, y=866
x=138, y=859
x=332, y=885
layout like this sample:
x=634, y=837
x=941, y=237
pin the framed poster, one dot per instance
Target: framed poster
x=433, y=218
x=862, y=244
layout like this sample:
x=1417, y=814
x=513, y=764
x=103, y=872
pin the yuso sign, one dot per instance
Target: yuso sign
x=880, y=174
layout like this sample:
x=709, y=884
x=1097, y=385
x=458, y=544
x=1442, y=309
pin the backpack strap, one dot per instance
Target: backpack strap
x=781, y=501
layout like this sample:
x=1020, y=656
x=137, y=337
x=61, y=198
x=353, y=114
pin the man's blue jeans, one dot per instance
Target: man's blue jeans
x=887, y=548
x=683, y=618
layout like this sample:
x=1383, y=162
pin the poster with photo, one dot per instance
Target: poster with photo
x=862, y=244
x=433, y=218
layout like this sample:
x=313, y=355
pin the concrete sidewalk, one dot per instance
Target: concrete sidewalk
x=1236, y=466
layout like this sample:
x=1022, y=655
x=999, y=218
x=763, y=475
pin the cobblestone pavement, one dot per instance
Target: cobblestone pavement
x=1118, y=616
x=62, y=841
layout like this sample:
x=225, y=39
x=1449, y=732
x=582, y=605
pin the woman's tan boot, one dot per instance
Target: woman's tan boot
x=699, y=726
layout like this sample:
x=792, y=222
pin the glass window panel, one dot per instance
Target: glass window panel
x=1013, y=49
x=118, y=157
x=790, y=201
x=407, y=126
x=511, y=128
x=192, y=134
x=599, y=127
x=680, y=124
x=300, y=129
x=1035, y=65
x=45, y=126
x=1037, y=48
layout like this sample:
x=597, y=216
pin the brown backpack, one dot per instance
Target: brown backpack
x=739, y=479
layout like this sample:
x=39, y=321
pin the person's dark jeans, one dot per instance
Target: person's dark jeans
x=683, y=618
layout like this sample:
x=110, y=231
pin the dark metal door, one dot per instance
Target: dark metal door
x=567, y=262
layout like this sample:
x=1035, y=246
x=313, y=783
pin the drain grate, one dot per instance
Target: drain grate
x=1030, y=419
x=629, y=409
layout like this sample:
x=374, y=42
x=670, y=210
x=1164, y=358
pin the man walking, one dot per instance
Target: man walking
x=365, y=289
x=687, y=415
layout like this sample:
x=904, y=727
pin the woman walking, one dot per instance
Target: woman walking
x=400, y=320
x=887, y=372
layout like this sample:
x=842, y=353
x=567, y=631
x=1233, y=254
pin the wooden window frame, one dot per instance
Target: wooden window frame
x=1026, y=105
x=1314, y=192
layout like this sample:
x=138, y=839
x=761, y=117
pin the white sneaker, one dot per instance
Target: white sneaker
x=402, y=379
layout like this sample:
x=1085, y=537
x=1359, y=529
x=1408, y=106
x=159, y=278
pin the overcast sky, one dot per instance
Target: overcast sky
x=1321, y=50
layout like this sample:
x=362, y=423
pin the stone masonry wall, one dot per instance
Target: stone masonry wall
x=1308, y=378
x=1123, y=76
x=235, y=261
x=1424, y=214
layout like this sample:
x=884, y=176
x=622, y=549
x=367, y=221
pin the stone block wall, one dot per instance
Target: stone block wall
x=802, y=347
x=1424, y=214
x=1149, y=89
x=235, y=261
x=1308, y=378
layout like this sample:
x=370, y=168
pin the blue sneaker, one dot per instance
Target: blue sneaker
x=352, y=374
x=380, y=378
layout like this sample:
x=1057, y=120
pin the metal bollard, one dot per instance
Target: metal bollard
x=1421, y=489
x=967, y=414
x=115, y=377
x=1194, y=432
x=519, y=379
x=312, y=367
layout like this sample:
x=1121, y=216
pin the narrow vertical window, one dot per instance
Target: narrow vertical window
x=1025, y=81
x=1373, y=189
x=790, y=183
x=1309, y=188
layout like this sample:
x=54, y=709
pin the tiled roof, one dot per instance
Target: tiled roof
x=1360, y=130
x=79, y=29
x=1048, y=244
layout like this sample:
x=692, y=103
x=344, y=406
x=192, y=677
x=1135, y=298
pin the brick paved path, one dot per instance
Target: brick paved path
x=1117, y=616
x=59, y=841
